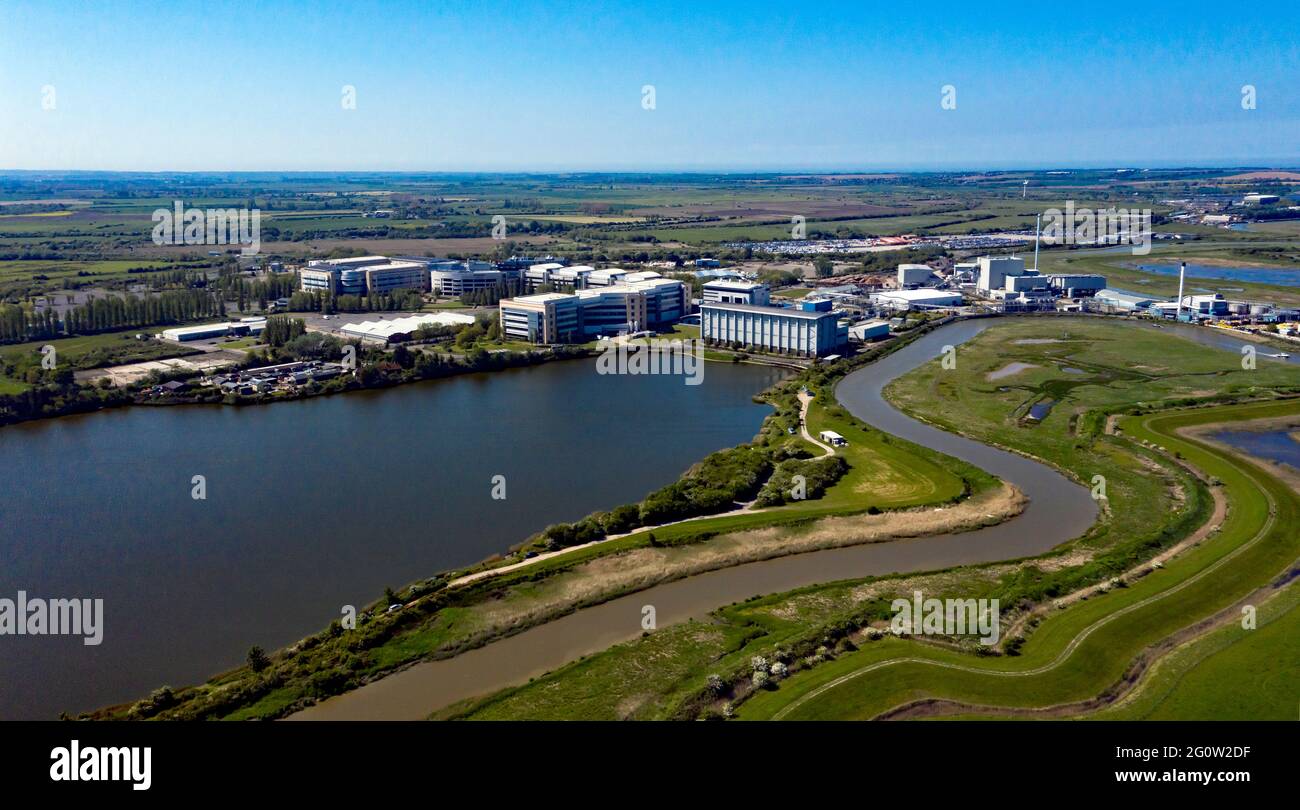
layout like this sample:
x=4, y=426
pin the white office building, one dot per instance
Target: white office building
x=736, y=292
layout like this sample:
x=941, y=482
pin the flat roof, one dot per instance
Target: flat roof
x=386, y=329
x=778, y=311
x=919, y=295
x=748, y=285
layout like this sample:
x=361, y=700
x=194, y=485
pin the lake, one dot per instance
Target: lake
x=1283, y=276
x=314, y=504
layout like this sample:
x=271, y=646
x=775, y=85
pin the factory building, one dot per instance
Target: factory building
x=869, y=330
x=1076, y=285
x=1207, y=305
x=791, y=331
x=914, y=275
x=916, y=299
x=737, y=292
x=993, y=272
x=1123, y=301
x=208, y=331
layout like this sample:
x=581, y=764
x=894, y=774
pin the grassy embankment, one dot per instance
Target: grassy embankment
x=1150, y=507
x=1085, y=650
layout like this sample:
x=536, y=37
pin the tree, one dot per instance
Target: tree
x=257, y=660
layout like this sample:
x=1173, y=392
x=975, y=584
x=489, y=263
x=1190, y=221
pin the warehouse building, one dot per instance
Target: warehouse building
x=916, y=299
x=914, y=275
x=208, y=331
x=869, y=330
x=399, y=329
x=776, y=329
x=737, y=292
x=1123, y=301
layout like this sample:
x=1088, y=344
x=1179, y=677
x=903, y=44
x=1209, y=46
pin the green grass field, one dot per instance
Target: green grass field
x=1077, y=653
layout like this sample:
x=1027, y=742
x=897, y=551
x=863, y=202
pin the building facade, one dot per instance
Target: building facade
x=775, y=329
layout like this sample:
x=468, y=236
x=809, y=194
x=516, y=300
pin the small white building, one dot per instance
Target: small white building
x=832, y=438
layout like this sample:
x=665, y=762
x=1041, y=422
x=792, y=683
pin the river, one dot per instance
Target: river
x=1059, y=510
x=314, y=504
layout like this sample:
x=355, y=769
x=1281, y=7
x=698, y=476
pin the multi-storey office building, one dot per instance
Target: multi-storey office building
x=545, y=318
x=387, y=278
x=561, y=317
x=775, y=329
x=736, y=292
x=359, y=275
x=458, y=280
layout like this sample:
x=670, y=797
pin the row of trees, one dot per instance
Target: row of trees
x=19, y=324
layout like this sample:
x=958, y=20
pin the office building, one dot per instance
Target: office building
x=775, y=329
x=599, y=310
x=543, y=318
x=736, y=292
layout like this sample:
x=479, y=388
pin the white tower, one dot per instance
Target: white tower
x=1182, y=270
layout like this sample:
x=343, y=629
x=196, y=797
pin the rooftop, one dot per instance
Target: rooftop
x=777, y=311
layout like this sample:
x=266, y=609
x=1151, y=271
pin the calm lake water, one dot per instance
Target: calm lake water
x=1274, y=445
x=1284, y=276
x=312, y=505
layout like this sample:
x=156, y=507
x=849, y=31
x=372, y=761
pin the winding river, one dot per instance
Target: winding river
x=1059, y=510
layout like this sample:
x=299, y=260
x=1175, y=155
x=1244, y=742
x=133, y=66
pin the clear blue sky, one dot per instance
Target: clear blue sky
x=552, y=86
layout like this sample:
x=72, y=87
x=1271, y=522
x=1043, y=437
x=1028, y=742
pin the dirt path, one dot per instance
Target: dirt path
x=805, y=399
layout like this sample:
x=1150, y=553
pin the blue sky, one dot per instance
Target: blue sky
x=464, y=86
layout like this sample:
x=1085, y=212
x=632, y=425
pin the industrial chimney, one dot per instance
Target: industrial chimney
x=1182, y=271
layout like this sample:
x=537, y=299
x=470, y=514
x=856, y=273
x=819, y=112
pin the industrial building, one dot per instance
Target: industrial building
x=399, y=329
x=916, y=299
x=1076, y=285
x=914, y=275
x=737, y=292
x=869, y=330
x=792, y=331
x=993, y=272
x=1122, y=300
x=208, y=331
